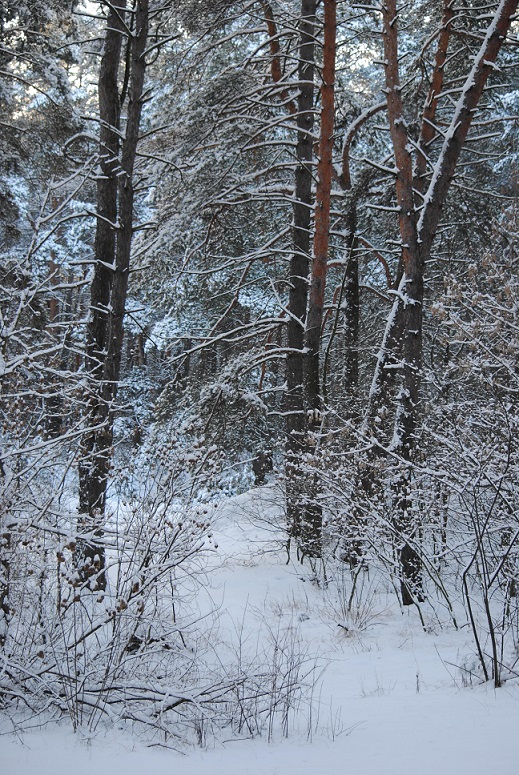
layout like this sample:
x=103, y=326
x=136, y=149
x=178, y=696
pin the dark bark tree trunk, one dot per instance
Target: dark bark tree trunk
x=322, y=222
x=299, y=269
x=352, y=547
x=5, y=576
x=351, y=295
x=110, y=281
x=351, y=307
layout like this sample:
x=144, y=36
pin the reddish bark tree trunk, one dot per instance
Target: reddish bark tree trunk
x=311, y=529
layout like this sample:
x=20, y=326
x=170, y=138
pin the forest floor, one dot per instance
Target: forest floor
x=386, y=697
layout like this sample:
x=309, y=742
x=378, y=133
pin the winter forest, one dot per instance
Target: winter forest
x=259, y=281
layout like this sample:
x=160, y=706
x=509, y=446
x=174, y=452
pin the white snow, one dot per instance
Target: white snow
x=393, y=699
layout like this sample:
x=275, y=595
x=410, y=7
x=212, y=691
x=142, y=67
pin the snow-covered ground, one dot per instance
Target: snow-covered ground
x=390, y=699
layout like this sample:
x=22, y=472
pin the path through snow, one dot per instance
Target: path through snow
x=391, y=701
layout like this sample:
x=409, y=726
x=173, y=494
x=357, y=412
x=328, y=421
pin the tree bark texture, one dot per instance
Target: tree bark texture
x=5, y=578
x=311, y=529
x=351, y=313
x=110, y=281
x=299, y=269
x=322, y=218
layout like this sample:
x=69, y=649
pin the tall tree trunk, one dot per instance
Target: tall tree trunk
x=299, y=268
x=120, y=276
x=322, y=221
x=110, y=281
x=311, y=528
x=411, y=295
x=351, y=541
x=5, y=570
x=351, y=306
